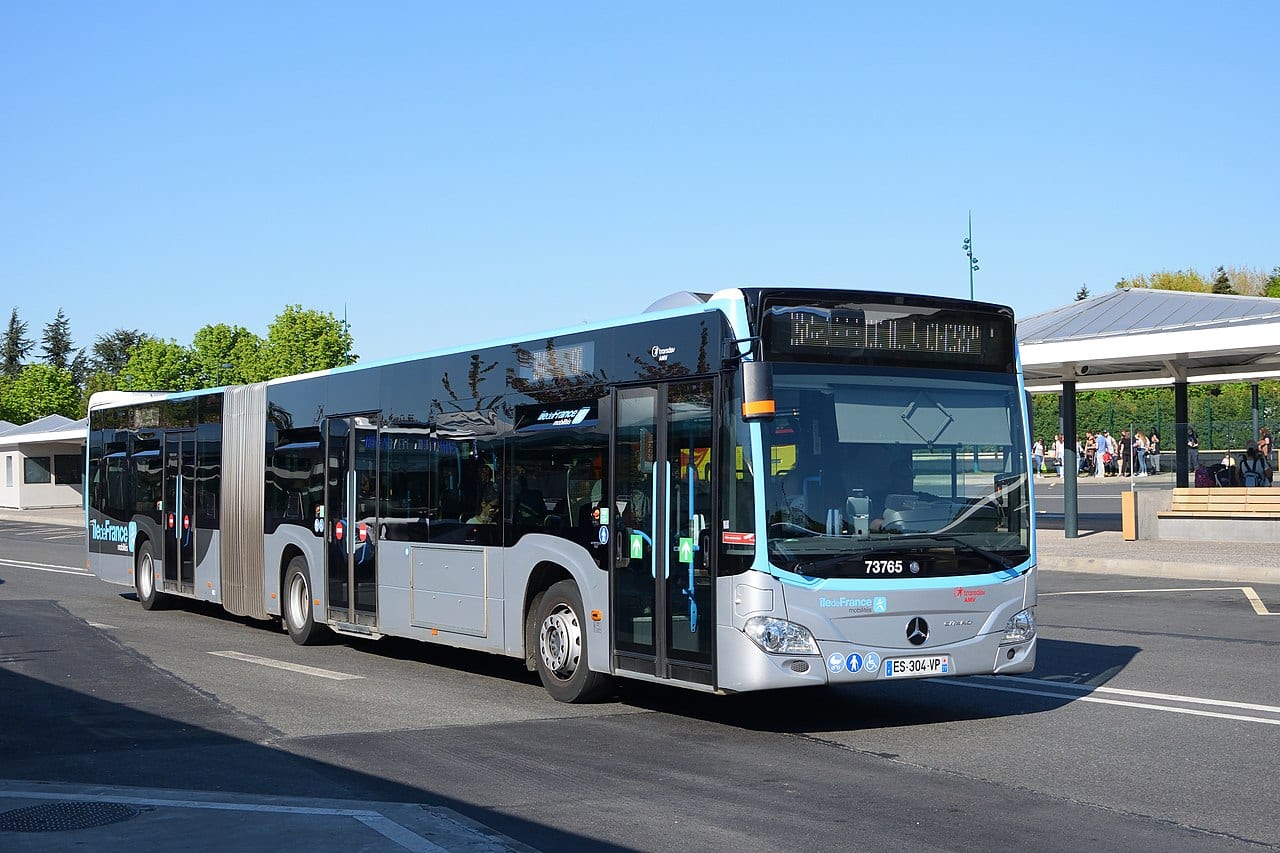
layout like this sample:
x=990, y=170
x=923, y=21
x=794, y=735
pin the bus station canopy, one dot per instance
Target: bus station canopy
x=1135, y=337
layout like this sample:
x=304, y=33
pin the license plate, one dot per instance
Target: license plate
x=917, y=667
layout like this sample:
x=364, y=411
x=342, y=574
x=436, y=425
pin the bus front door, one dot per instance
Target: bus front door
x=662, y=589
x=351, y=519
x=178, y=519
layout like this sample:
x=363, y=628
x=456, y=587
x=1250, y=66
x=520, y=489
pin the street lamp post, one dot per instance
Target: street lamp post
x=968, y=250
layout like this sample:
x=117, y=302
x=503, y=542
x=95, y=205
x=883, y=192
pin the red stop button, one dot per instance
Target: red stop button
x=338, y=528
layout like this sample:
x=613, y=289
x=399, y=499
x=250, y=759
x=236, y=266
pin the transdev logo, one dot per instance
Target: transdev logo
x=123, y=535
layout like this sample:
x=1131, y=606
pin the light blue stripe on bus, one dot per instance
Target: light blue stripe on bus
x=848, y=584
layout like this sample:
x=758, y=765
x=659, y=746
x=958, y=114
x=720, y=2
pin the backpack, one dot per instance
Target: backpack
x=1221, y=474
x=1254, y=472
x=1204, y=479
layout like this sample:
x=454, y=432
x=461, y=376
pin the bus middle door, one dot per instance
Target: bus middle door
x=662, y=585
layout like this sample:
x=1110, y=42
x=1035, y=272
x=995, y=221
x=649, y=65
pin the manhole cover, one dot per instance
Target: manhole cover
x=60, y=817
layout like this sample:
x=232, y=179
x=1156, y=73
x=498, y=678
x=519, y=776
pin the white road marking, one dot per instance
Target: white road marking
x=1258, y=606
x=45, y=567
x=1142, y=694
x=102, y=625
x=292, y=667
x=1145, y=705
x=376, y=821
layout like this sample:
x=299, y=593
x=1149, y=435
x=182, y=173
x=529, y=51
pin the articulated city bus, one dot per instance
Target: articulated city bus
x=753, y=489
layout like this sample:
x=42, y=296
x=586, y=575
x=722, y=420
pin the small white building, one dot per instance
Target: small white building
x=43, y=463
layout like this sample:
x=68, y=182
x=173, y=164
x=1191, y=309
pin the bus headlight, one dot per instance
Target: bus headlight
x=1021, y=626
x=780, y=637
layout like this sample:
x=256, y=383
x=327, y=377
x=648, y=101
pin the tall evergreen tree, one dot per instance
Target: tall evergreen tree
x=16, y=346
x=1222, y=281
x=79, y=368
x=55, y=344
x=111, y=350
x=1083, y=293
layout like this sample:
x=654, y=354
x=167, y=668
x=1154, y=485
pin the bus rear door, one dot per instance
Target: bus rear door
x=351, y=519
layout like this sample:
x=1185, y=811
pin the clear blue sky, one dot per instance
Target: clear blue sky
x=454, y=173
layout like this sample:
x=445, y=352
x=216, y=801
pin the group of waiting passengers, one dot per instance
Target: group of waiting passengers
x=1102, y=455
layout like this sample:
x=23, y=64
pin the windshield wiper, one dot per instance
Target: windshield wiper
x=811, y=568
x=990, y=556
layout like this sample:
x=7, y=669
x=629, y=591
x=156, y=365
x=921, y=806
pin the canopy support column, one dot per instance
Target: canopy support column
x=1254, y=388
x=1180, y=418
x=1071, y=465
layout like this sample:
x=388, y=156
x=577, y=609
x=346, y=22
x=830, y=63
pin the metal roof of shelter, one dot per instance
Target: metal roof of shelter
x=1138, y=337
x=51, y=428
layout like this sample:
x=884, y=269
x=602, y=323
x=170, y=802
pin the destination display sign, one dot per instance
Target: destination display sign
x=889, y=335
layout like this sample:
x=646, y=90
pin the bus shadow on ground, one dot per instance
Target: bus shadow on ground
x=878, y=704
x=482, y=664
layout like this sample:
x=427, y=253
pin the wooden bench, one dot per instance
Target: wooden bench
x=1225, y=502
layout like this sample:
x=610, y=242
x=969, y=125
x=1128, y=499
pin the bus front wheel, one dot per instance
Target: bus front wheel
x=562, y=647
x=299, y=617
x=144, y=579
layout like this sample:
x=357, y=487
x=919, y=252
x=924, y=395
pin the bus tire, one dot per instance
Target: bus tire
x=297, y=610
x=562, y=647
x=144, y=579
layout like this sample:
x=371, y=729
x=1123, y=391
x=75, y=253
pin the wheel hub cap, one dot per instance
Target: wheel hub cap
x=560, y=641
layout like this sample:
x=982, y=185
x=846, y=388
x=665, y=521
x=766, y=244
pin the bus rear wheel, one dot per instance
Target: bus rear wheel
x=562, y=647
x=299, y=617
x=144, y=579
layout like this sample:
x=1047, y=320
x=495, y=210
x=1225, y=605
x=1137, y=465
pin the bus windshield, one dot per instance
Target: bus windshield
x=893, y=472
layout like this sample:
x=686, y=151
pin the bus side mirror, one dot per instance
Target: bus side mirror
x=757, y=391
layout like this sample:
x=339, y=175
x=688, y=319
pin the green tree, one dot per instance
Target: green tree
x=157, y=365
x=1222, y=281
x=39, y=390
x=1273, y=284
x=16, y=346
x=225, y=355
x=1187, y=280
x=301, y=340
x=111, y=351
x=1083, y=293
x=55, y=343
x=99, y=381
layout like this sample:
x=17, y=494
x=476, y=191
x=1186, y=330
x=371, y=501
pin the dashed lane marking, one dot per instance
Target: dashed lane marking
x=292, y=667
x=45, y=567
x=1249, y=593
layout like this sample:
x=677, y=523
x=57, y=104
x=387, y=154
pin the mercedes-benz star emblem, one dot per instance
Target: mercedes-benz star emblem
x=917, y=631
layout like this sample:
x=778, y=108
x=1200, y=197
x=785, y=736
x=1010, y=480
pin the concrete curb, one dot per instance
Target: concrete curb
x=1151, y=569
